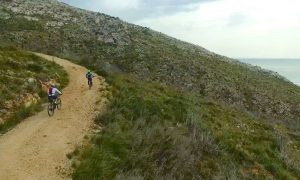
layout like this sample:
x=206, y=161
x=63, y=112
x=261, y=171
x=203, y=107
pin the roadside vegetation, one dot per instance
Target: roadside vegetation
x=21, y=78
x=152, y=131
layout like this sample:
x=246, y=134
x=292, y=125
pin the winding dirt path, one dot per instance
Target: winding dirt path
x=37, y=148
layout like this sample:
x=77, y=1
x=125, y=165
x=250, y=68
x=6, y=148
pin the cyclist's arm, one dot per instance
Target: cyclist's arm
x=56, y=90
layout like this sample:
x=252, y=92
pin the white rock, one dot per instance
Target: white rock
x=31, y=80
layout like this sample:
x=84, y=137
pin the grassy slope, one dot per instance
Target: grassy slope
x=16, y=67
x=152, y=131
x=245, y=124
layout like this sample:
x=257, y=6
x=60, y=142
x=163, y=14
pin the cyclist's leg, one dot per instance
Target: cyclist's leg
x=54, y=98
x=90, y=81
x=50, y=99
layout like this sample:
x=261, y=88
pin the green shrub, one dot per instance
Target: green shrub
x=19, y=24
x=35, y=68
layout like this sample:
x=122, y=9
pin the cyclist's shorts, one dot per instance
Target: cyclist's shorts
x=52, y=98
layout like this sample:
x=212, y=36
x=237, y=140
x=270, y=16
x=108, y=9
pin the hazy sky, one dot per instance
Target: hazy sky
x=235, y=28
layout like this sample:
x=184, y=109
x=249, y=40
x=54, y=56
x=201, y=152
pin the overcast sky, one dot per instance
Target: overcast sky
x=235, y=28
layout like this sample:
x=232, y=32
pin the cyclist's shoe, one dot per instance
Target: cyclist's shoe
x=55, y=101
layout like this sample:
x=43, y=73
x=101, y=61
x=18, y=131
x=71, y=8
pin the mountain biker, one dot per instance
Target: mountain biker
x=53, y=93
x=89, y=75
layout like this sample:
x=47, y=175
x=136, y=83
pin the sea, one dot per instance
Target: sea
x=288, y=68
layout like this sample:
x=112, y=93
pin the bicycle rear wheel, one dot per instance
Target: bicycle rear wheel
x=50, y=109
x=90, y=83
x=58, y=104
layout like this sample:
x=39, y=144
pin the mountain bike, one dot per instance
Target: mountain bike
x=53, y=105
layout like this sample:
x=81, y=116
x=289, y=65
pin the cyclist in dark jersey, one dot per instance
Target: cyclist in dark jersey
x=89, y=75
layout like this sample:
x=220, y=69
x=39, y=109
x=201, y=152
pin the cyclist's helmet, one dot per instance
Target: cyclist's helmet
x=53, y=85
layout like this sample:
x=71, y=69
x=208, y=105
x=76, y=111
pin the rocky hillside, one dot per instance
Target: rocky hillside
x=23, y=84
x=111, y=45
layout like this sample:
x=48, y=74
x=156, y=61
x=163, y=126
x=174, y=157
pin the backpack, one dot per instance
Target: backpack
x=50, y=91
x=89, y=75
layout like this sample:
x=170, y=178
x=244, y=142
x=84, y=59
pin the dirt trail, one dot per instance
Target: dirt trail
x=37, y=148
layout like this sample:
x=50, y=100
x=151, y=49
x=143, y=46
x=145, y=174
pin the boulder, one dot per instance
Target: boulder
x=30, y=99
x=3, y=111
x=9, y=104
x=31, y=81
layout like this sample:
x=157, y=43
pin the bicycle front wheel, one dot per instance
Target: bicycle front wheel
x=50, y=109
x=58, y=104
